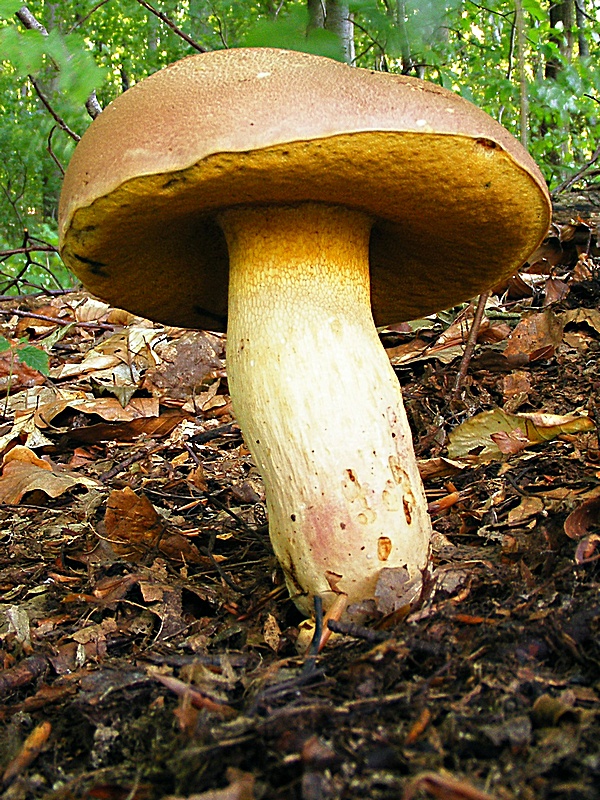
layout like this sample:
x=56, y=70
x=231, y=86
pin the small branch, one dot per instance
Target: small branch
x=81, y=21
x=92, y=105
x=51, y=151
x=471, y=342
x=169, y=23
x=13, y=298
x=579, y=174
x=17, y=312
x=30, y=248
x=29, y=21
x=58, y=119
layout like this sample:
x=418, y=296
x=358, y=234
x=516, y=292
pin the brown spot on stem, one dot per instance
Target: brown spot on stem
x=384, y=548
x=407, y=510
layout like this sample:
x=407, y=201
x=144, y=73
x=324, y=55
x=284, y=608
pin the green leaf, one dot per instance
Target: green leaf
x=78, y=73
x=290, y=33
x=9, y=7
x=34, y=358
x=4, y=344
x=25, y=51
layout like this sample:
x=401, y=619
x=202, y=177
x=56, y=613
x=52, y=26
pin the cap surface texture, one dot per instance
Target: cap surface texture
x=457, y=203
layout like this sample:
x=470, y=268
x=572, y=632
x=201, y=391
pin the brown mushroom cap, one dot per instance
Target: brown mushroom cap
x=457, y=203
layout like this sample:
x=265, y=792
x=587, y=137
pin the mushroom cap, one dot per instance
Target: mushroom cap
x=457, y=203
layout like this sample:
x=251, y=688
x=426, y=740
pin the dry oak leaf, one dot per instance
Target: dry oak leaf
x=134, y=527
x=494, y=434
x=537, y=335
x=25, y=472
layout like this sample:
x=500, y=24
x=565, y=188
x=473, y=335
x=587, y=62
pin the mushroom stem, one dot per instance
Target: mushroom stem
x=318, y=402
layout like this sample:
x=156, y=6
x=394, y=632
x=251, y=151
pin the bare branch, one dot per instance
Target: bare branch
x=51, y=152
x=93, y=106
x=470, y=346
x=29, y=21
x=579, y=174
x=56, y=117
x=38, y=248
x=169, y=23
x=80, y=22
x=17, y=312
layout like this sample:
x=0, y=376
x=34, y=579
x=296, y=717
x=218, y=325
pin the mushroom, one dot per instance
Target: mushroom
x=298, y=202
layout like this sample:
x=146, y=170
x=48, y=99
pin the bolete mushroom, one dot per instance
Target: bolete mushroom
x=296, y=201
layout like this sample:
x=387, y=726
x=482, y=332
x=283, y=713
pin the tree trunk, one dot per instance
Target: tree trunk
x=316, y=14
x=562, y=20
x=582, y=42
x=339, y=20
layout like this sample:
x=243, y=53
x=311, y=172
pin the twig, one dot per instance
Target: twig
x=56, y=117
x=29, y=21
x=443, y=787
x=21, y=674
x=45, y=293
x=84, y=19
x=41, y=248
x=17, y=312
x=172, y=26
x=580, y=172
x=127, y=462
x=51, y=152
x=357, y=631
x=471, y=342
x=92, y=105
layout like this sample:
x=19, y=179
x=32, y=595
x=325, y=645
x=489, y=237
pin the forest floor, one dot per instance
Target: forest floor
x=148, y=646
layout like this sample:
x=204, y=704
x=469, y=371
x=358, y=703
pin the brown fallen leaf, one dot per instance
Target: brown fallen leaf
x=510, y=442
x=108, y=408
x=24, y=472
x=134, y=527
x=581, y=525
x=537, y=333
x=241, y=787
x=584, y=518
x=494, y=434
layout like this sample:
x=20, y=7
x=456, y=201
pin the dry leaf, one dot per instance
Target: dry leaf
x=492, y=434
x=538, y=333
x=582, y=316
x=272, y=633
x=134, y=527
x=24, y=472
x=585, y=518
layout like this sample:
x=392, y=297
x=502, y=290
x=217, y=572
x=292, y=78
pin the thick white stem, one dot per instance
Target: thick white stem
x=318, y=402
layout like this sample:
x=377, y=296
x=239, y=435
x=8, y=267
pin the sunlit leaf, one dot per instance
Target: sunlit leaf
x=35, y=358
x=8, y=8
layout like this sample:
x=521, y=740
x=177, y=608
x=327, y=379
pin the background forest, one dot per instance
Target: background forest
x=531, y=64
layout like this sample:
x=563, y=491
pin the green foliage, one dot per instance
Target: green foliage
x=290, y=31
x=33, y=357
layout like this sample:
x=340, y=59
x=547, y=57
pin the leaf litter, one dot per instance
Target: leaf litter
x=148, y=646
